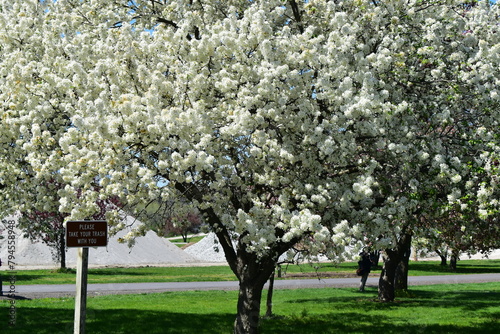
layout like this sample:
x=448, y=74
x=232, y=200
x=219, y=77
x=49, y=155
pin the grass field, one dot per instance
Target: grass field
x=223, y=273
x=180, y=242
x=459, y=308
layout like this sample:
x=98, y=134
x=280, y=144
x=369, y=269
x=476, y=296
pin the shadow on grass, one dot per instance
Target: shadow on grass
x=396, y=317
x=118, y=321
x=470, y=300
x=125, y=321
x=55, y=316
x=359, y=323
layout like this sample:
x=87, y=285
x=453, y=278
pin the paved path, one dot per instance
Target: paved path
x=60, y=290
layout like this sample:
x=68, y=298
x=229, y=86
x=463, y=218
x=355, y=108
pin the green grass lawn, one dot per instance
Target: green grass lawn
x=128, y=275
x=223, y=273
x=457, y=308
x=180, y=241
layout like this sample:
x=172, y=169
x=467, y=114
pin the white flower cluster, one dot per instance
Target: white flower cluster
x=333, y=129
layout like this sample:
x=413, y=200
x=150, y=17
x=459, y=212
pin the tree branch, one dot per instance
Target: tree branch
x=296, y=14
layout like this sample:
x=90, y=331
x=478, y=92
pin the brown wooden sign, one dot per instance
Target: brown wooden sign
x=87, y=233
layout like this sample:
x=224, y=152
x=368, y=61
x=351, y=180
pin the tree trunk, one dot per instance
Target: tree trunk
x=386, y=291
x=392, y=258
x=443, y=256
x=248, y=316
x=453, y=260
x=401, y=279
x=252, y=272
x=62, y=250
x=269, y=303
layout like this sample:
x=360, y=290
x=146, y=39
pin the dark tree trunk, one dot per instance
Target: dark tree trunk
x=401, y=280
x=252, y=272
x=62, y=250
x=252, y=276
x=386, y=290
x=247, y=319
x=392, y=258
x=453, y=260
x=269, y=302
x=443, y=256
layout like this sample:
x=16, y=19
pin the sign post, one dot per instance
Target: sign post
x=84, y=234
x=81, y=290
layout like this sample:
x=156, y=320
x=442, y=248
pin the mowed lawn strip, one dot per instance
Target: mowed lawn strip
x=455, y=308
x=224, y=273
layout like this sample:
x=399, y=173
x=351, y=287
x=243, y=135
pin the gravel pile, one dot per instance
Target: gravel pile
x=207, y=250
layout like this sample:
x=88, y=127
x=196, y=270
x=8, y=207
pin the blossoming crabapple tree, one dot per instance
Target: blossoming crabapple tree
x=281, y=121
x=449, y=125
x=172, y=219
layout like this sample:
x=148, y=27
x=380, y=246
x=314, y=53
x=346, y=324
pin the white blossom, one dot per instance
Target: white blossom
x=336, y=130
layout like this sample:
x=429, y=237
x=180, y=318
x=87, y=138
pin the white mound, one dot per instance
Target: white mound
x=207, y=250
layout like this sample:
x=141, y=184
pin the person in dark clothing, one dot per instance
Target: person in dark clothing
x=365, y=266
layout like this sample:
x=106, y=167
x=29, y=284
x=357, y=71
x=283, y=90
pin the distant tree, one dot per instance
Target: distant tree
x=466, y=234
x=169, y=218
x=183, y=225
x=47, y=227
